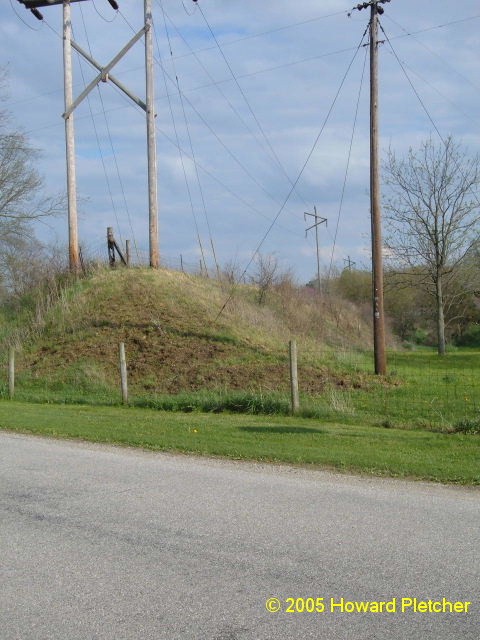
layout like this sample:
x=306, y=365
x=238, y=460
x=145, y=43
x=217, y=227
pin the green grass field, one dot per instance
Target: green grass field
x=421, y=390
x=225, y=381
x=419, y=454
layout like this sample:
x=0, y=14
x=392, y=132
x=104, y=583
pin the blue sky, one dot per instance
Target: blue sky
x=270, y=85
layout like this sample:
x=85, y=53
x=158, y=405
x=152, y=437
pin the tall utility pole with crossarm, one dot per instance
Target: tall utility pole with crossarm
x=375, y=196
x=104, y=75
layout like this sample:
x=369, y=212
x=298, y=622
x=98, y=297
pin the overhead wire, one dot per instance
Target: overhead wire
x=182, y=162
x=214, y=133
x=112, y=148
x=307, y=160
x=426, y=82
x=260, y=71
x=97, y=137
x=247, y=102
x=212, y=175
x=22, y=20
x=187, y=127
x=102, y=16
x=429, y=116
x=414, y=89
x=347, y=169
x=103, y=111
x=419, y=31
x=433, y=52
x=217, y=87
x=270, y=31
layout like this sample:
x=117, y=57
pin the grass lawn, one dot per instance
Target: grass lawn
x=420, y=454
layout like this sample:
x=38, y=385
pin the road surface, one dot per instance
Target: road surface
x=110, y=543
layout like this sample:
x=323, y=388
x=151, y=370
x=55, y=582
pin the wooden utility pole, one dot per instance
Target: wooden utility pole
x=375, y=197
x=105, y=75
x=151, y=139
x=73, y=251
x=318, y=221
x=375, y=202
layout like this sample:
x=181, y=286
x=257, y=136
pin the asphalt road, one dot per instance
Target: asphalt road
x=108, y=543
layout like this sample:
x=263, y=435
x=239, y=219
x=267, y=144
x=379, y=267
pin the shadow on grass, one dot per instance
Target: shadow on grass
x=281, y=430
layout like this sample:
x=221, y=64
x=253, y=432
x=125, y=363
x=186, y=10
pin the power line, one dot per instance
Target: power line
x=307, y=160
x=115, y=160
x=187, y=185
x=22, y=20
x=199, y=183
x=434, y=53
x=97, y=137
x=217, y=87
x=342, y=197
x=249, y=106
x=414, y=89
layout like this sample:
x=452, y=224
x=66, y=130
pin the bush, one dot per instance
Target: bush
x=470, y=337
x=468, y=426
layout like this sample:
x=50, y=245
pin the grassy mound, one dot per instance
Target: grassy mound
x=175, y=339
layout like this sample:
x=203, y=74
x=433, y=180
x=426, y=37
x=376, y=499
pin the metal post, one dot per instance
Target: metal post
x=151, y=141
x=73, y=252
x=375, y=201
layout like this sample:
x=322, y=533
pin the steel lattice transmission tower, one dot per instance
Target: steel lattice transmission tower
x=71, y=104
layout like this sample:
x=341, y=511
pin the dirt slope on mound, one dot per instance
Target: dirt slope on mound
x=173, y=338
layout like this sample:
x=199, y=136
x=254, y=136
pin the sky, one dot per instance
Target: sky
x=252, y=99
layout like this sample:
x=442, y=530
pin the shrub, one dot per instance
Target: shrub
x=470, y=337
x=468, y=426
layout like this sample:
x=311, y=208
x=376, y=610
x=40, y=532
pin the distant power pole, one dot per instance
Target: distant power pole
x=349, y=263
x=104, y=75
x=318, y=221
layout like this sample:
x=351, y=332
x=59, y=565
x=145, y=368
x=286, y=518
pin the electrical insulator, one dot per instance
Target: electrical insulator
x=113, y=4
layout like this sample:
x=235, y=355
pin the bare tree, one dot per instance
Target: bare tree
x=21, y=186
x=265, y=275
x=21, y=197
x=432, y=215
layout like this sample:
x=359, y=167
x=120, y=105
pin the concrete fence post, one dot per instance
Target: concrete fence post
x=294, y=376
x=123, y=373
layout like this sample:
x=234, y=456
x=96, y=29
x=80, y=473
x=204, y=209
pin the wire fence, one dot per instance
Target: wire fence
x=421, y=388
x=420, y=391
